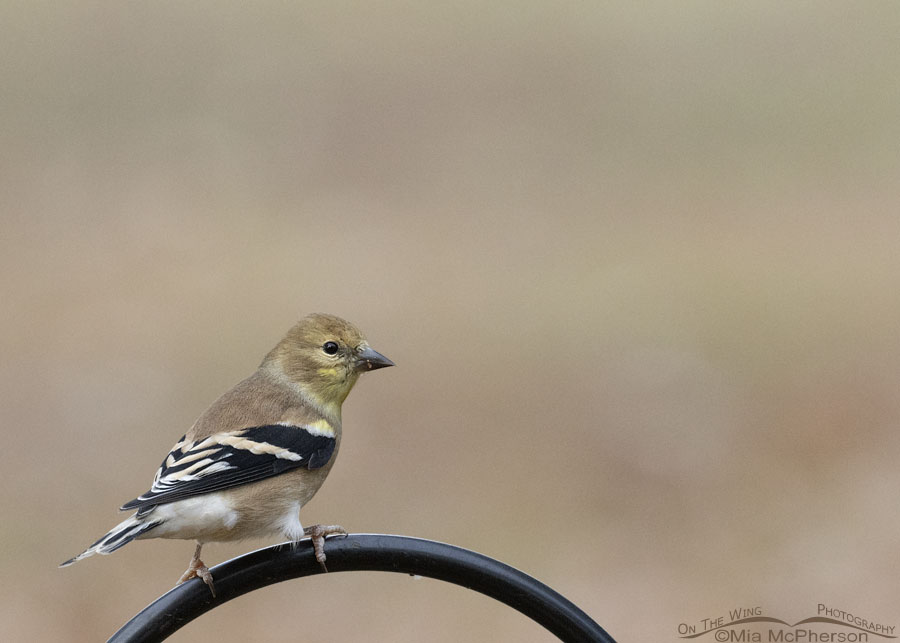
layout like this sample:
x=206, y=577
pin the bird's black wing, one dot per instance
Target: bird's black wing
x=233, y=458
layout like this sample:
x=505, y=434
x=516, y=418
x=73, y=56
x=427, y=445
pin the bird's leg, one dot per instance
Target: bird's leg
x=318, y=533
x=198, y=570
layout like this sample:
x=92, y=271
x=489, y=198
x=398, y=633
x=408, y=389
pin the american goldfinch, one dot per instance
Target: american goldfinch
x=259, y=453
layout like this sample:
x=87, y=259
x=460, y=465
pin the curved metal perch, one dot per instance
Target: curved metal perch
x=364, y=552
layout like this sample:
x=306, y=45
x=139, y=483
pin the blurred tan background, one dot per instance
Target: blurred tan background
x=639, y=267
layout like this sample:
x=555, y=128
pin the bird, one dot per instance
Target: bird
x=255, y=457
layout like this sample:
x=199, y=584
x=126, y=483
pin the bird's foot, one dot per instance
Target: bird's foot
x=317, y=534
x=201, y=571
x=197, y=569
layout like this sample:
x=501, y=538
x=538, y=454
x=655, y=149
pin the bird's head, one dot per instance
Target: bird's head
x=324, y=355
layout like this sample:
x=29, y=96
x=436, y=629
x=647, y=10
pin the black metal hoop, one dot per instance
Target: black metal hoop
x=364, y=552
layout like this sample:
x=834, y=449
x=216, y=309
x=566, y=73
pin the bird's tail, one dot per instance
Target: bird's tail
x=118, y=536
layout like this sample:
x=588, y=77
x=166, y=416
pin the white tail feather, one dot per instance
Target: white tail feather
x=118, y=536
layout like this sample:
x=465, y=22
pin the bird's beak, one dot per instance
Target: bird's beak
x=369, y=360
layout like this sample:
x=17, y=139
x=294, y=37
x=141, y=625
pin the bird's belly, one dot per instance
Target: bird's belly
x=269, y=507
x=210, y=517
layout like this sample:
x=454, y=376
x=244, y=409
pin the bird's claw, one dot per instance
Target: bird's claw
x=197, y=569
x=317, y=534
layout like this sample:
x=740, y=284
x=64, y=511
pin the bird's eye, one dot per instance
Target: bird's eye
x=330, y=348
